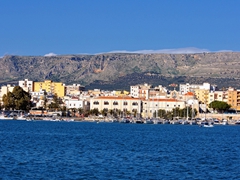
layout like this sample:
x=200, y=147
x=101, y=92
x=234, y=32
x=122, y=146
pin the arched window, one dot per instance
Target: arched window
x=106, y=103
x=115, y=103
x=134, y=103
x=125, y=103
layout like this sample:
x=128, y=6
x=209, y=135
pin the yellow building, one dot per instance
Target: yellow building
x=50, y=87
x=121, y=93
x=202, y=95
x=234, y=98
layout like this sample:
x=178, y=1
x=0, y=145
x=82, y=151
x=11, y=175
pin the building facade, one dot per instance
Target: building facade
x=234, y=98
x=123, y=104
x=26, y=85
x=151, y=106
x=57, y=88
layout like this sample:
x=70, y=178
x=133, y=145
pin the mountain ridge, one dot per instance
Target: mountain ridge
x=110, y=68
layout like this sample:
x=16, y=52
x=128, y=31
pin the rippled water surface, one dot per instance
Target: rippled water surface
x=79, y=150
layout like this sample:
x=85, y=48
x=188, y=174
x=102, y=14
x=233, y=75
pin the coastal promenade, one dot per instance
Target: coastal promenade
x=219, y=116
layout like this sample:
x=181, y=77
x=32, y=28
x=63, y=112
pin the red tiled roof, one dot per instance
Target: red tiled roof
x=117, y=97
x=163, y=100
x=189, y=94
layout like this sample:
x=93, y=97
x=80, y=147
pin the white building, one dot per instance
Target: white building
x=74, y=89
x=5, y=90
x=76, y=103
x=151, y=106
x=40, y=94
x=185, y=88
x=134, y=91
x=140, y=91
x=26, y=85
x=116, y=103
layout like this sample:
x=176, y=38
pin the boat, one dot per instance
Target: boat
x=174, y=122
x=124, y=120
x=21, y=118
x=139, y=121
x=193, y=122
x=6, y=118
x=207, y=125
x=237, y=122
x=224, y=122
x=148, y=121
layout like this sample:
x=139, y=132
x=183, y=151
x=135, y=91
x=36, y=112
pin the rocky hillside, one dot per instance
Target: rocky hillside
x=118, y=71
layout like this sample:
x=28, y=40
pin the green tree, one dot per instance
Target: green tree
x=55, y=104
x=220, y=106
x=161, y=113
x=18, y=99
x=94, y=112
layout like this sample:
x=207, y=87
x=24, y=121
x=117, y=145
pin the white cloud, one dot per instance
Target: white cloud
x=225, y=51
x=50, y=54
x=187, y=50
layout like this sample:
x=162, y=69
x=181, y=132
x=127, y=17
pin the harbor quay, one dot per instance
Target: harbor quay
x=218, y=116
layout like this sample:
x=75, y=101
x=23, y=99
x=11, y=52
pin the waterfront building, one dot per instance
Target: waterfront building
x=76, y=103
x=57, y=88
x=151, y=106
x=234, y=98
x=26, y=85
x=124, y=104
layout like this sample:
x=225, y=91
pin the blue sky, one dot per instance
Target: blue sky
x=95, y=26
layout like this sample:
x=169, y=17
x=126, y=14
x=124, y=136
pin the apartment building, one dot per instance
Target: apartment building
x=5, y=90
x=184, y=88
x=202, y=95
x=140, y=91
x=26, y=85
x=234, y=98
x=74, y=89
x=50, y=87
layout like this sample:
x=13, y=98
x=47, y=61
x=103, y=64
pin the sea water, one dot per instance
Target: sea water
x=83, y=150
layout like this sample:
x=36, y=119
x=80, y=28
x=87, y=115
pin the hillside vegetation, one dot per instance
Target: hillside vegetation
x=119, y=70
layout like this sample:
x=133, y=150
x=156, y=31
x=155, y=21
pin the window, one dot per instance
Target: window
x=106, y=103
x=134, y=103
x=125, y=103
x=96, y=103
x=115, y=103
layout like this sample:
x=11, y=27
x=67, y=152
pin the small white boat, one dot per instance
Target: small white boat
x=224, y=122
x=207, y=125
x=6, y=118
x=148, y=121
